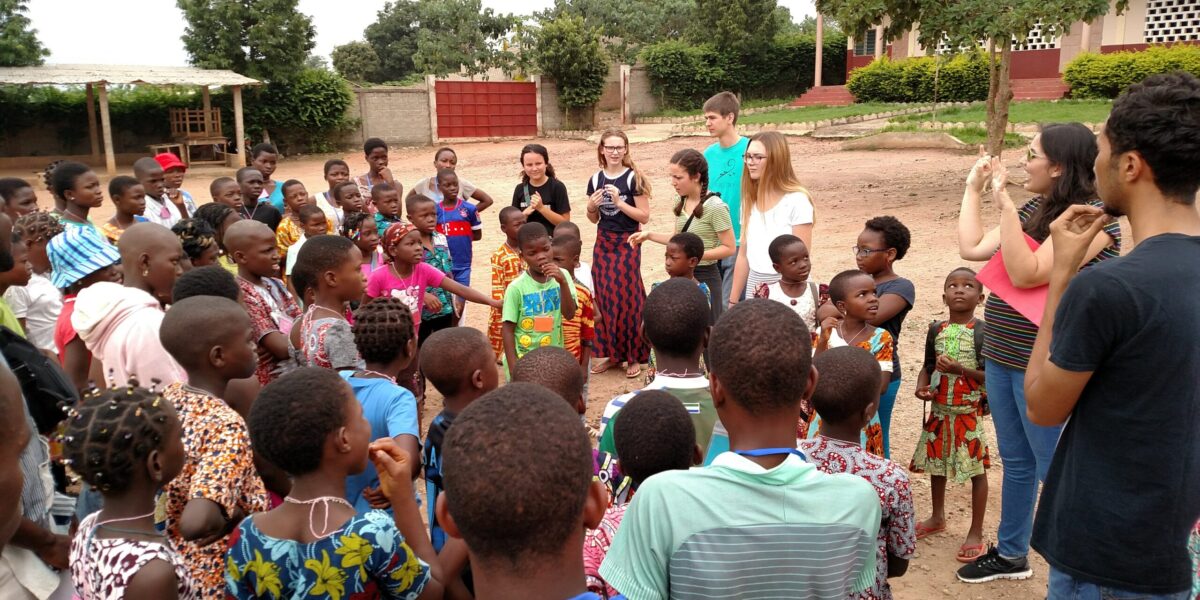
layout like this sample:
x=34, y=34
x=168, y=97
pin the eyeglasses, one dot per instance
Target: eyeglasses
x=614, y=149
x=863, y=252
x=754, y=158
x=1030, y=154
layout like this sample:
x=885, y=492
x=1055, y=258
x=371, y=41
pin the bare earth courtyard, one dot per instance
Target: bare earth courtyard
x=922, y=188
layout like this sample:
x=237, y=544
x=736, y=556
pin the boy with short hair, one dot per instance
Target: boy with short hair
x=422, y=213
x=755, y=496
x=158, y=208
x=846, y=397
x=675, y=324
x=250, y=181
x=386, y=199
x=506, y=266
x=523, y=541
x=579, y=332
x=458, y=220
x=725, y=161
x=273, y=312
x=582, y=272
x=313, y=222
x=225, y=190
x=536, y=304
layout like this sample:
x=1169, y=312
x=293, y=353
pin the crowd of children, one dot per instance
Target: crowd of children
x=242, y=385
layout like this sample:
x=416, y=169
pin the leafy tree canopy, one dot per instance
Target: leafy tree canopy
x=19, y=45
x=263, y=39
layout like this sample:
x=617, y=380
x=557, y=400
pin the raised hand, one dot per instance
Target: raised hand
x=980, y=173
x=1073, y=232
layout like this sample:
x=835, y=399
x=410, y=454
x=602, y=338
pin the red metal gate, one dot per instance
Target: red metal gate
x=486, y=108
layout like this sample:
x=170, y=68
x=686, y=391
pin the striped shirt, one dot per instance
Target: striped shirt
x=1010, y=336
x=737, y=530
x=707, y=226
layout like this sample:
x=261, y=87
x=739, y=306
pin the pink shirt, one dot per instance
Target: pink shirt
x=410, y=290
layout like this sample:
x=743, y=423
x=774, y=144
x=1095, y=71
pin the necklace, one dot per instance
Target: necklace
x=378, y=374
x=312, y=507
x=850, y=340
x=684, y=373
x=107, y=525
x=74, y=217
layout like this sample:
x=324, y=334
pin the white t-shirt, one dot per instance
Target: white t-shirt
x=583, y=275
x=161, y=211
x=38, y=303
x=805, y=305
x=333, y=214
x=793, y=209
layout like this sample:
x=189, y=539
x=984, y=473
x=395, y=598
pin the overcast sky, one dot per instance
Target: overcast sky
x=147, y=32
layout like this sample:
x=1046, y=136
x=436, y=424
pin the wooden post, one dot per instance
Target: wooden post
x=820, y=50
x=110, y=159
x=878, y=41
x=206, y=99
x=537, y=92
x=239, y=128
x=93, y=133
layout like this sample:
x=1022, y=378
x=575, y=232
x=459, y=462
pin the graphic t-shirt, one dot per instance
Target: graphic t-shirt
x=611, y=217
x=725, y=167
x=410, y=290
x=459, y=225
x=536, y=311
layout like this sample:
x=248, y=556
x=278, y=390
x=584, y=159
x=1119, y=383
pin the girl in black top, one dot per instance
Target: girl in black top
x=540, y=195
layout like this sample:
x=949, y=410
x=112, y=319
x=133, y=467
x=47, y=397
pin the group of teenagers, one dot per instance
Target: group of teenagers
x=250, y=374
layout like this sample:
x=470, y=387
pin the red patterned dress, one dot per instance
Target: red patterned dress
x=953, y=443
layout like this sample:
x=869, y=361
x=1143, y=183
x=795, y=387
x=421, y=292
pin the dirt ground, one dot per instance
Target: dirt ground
x=922, y=188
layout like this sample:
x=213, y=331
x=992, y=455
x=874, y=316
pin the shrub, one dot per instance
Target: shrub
x=683, y=75
x=305, y=113
x=963, y=78
x=570, y=54
x=1107, y=75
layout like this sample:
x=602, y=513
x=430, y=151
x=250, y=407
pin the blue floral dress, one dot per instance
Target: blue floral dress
x=366, y=558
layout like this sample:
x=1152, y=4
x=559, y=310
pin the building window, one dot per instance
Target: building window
x=1039, y=38
x=865, y=46
x=1172, y=21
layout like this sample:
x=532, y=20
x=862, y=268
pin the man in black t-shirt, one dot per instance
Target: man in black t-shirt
x=1117, y=359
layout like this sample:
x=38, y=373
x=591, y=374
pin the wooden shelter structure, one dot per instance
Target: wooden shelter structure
x=97, y=78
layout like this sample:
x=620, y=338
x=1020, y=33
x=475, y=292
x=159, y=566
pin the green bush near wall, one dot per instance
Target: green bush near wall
x=962, y=78
x=1107, y=75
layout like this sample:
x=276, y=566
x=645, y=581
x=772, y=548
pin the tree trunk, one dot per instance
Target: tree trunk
x=999, y=98
x=993, y=79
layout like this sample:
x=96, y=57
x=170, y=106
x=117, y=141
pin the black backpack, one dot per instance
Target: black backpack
x=47, y=389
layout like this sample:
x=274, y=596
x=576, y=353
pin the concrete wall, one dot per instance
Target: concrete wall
x=639, y=96
x=611, y=98
x=398, y=115
x=552, y=114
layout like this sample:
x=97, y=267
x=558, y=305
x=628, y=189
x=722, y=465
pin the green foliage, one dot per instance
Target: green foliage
x=569, y=53
x=684, y=75
x=740, y=27
x=19, y=45
x=808, y=114
x=1022, y=111
x=1107, y=75
x=304, y=113
x=141, y=111
x=963, y=78
x=356, y=61
x=627, y=26
x=973, y=135
x=263, y=39
x=393, y=35
x=437, y=37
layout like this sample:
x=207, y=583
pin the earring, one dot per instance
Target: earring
x=145, y=272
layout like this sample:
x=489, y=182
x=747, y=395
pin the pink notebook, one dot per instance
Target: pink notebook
x=1030, y=302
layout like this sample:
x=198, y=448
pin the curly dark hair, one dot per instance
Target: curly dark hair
x=195, y=235
x=1072, y=146
x=849, y=382
x=1159, y=118
x=775, y=249
x=109, y=432
x=382, y=329
x=38, y=226
x=690, y=243
x=675, y=317
x=656, y=435
x=517, y=525
x=553, y=368
x=761, y=353
x=294, y=415
x=895, y=234
x=212, y=280
x=450, y=356
x=64, y=175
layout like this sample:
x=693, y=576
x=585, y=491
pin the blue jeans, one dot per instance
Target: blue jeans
x=1065, y=587
x=1025, y=450
x=886, y=402
x=725, y=266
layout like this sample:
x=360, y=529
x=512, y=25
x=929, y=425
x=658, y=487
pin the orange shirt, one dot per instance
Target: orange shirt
x=506, y=267
x=583, y=327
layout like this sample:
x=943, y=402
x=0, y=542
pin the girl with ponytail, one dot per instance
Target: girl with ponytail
x=703, y=213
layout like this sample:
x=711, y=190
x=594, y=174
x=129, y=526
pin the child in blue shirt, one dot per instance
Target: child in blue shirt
x=458, y=220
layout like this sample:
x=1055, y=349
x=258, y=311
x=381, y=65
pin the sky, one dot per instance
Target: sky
x=92, y=32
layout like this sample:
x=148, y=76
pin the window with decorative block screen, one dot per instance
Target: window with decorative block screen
x=1172, y=21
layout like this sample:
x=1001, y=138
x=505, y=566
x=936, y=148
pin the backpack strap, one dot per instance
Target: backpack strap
x=980, y=332
x=931, y=347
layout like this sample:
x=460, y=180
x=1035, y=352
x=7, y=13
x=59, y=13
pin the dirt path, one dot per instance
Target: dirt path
x=922, y=188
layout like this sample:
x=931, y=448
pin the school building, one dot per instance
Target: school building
x=1038, y=61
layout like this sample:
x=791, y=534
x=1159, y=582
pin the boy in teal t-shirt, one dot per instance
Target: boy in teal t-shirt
x=536, y=303
x=726, y=160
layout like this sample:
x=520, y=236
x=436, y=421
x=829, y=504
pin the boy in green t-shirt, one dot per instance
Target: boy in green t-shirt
x=536, y=303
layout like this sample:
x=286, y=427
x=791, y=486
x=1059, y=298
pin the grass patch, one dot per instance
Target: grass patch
x=1029, y=111
x=672, y=113
x=969, y=135
x=803, y=114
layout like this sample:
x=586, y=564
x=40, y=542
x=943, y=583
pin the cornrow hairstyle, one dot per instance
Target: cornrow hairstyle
x=657, y=435
x=777, y=246
x=690, y=243
x=263, y=148
x=38, y=226
x=535, y=149
x=119, y=185
x=353, y=224
x=337, y=189
x=195, y=235
x=109, y=432
x=895, y=234
x=693, y=162
x=214, y=215
x=293, y=416
x=837, y=285
x=10, y=185
x=65, y=175
x=334, y=162
x=212, y=280
x=382, y=329
x=553, y=368
x=450, y=356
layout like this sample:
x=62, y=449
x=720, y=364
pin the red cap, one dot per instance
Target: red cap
x=168, y=161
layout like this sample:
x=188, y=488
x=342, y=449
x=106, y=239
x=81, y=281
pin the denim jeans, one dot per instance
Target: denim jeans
x=1025, y=450
x=1065, y=587
x=886, y=402
x=725, y=266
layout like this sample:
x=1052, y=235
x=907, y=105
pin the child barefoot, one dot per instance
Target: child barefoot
x=309, y=423
x=853, y=295
x=790, y=258
x=127, y=443
x=952, y=440
x=129, y=198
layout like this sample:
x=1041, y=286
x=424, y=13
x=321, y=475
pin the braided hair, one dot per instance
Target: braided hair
x=382, y=329
x=110, y=431
x=693, y=162
x=195, y=235
x=354, y=223
x=38, y=226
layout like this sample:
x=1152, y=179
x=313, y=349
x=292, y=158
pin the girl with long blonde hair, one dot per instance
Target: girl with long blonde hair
x=774, y=203
x=619, y=204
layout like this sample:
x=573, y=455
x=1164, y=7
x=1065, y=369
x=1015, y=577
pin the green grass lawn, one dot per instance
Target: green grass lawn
x=969, y=135
x=1030, y=111
x=670, y=112
x=803, y=114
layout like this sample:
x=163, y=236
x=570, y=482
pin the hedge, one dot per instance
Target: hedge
x=1107, y=75
x=963, y=78
x=684, y=75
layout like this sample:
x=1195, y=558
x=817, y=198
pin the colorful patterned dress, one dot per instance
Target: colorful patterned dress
x=366, y=558
x=953, y=443
x=103, y=567
x=880, y=346
x=439, y=258
x=506, y=267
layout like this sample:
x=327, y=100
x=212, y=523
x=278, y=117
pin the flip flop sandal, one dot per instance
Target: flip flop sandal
x=633, y=371
x=604, y=366
x=967, y=553
x=924, y=532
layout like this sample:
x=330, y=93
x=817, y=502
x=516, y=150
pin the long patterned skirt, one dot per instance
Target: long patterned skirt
x=620, y=296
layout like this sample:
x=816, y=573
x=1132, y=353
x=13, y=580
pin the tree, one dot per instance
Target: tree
x=626, y=26
x=264, y=39
x=963, y=24
x=436, y=37
x=356, y=61
x=744, y=27
x=570, y=54
x=19, y=45
x=393, y=35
